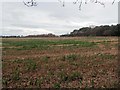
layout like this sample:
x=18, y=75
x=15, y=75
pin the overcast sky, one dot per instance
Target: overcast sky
x=51, y=17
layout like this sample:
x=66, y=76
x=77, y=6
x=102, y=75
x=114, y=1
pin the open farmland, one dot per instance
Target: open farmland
x=70, y=62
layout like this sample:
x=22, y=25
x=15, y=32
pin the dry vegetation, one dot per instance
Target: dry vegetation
x=79, y=62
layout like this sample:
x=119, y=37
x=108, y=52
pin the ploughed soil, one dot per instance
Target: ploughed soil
x=90, y=62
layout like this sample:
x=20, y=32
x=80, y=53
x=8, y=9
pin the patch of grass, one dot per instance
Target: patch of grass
x=50, y=73
x=31, y=82
x=75, y=76
x=17, y=61
x=3, y=66
x=71, y=77
x=31, y=65
x=46, y=58
x=38, y=82
x=16, y=74
x=80, y=82
x=92, y=82
x=63, y=76
x=5, y=82
x=56, y=85
x=75, y=64
x=70, y=57
x=61, y=66
x=63, y=58
x=86, y=86
x=43, y=44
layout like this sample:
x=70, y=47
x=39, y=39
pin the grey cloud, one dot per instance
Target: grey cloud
x=12, y=31
x=52, y=17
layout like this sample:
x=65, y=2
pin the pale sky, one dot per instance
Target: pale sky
x=51, y=17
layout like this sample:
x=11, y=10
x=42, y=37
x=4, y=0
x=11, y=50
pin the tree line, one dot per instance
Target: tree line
x=106, y=30
x=103, y=30
x=29, y=36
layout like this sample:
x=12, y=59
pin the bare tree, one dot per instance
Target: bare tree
x=30, y=3
x=80, y=2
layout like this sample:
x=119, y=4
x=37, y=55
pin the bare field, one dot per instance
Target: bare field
x=70, y=62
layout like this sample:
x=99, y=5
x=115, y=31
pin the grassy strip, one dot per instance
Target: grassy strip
x=30, y=44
